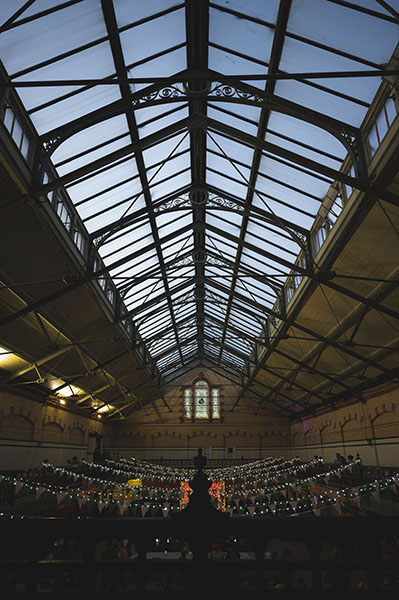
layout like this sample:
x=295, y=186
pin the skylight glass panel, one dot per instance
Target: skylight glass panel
x=233, y=342
x=273, y=267
x=174, y=249
x=121, y=253
x=168, y=186
x=258, y=287
x=108, y=217
x=162, y=121
x=138, y=296
x=241, y=35
x=73, y=107
x=154, y=36
x=238, y=319
x=212, y=329
x=212, y=348
x=321, y=101
x=173, y=165
x=128, y=12
x=139, y=266
x=213, y=308
x=230, y=148
x=215, y=243
x=227, y=63
x=148, y=112
x=147, y=310
x=346, y=29
x=224, y=225
x=174, y=225
x=166, y=218
x=151, y=325
x=97, y=181
x=244, y=298
x=161, y=348
x=214, y=303
x=185, y=272
x=51, y=35
x=92, y=156
x=232, y=358
x=113, y=212
x=184, y=240
x=242, y=337
x=7, y=10
x=219, y=276
x=255, y=264
x=138, y=288
x=297, y=144
x=241, y=312
x=254, y=292
x=290, y=213
x=265, y=11
x=166, y=149
x=277, y=232
x=222, y=294
x=171, y=358
x=189, y=349
x=297, y=213
x=299, y=57
x=93, y=63
x=187, y=332
x=274, y=248
x=131, y=243
x=310, y=186
x=243, y=117
x=227, y=167
x=226, y=185
x=184, y=309
x=221, y=217
x=90, y=137
x=129, y=190
x=170, y=62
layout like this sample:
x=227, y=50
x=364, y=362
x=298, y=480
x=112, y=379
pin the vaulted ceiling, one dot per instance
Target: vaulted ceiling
x=201, y=186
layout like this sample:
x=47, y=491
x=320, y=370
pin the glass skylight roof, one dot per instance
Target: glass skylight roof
x=206, y=275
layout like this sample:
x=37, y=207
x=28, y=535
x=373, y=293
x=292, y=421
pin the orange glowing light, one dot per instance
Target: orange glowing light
x=216, y=491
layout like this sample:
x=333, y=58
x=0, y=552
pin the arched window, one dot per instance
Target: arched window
x=201, y=401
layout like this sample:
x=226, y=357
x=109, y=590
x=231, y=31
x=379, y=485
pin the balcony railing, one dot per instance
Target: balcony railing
x=329, y=554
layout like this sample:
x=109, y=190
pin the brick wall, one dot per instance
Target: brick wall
x=31, y=431
x=369, y=426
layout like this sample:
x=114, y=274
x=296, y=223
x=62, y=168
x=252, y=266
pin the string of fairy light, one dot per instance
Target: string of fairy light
x=246, y=487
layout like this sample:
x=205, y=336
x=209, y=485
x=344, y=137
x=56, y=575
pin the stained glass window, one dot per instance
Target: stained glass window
x=201, y=401
x=215, y=404
x=201, y=395
x=187, y=403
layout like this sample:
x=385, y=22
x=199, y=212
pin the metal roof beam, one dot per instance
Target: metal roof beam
x=257, y=250
x=37, y=304
x=233, y=294
x=121, y=69
x=11, y=23
x=155, y=301
x=132, y=148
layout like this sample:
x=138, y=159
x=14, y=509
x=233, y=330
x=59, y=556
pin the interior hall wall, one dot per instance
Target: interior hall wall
x=31, y=431
x=159, y=430
x=370, y=427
